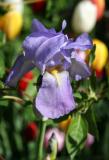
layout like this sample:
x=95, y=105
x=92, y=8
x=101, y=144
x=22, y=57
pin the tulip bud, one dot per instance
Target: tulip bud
x=89, y=141
x=11, y=24
x=100, y=4
x=59, y=136
x=101, y=55
x=23, y=83
x=99, y=74
x=31, y=131
x=39, y=6
x=16, y=5
x=84, y=17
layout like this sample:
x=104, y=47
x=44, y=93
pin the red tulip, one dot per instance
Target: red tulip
x=39, y=6
x=31, y=131
x=99, y=74
x=23, y=83
x=100, y=4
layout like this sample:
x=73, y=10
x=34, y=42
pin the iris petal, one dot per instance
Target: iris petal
x=48, y=49
x=38, y=26
x=78, y=69
x=83, y=42
x=21, y=66
x=55, y=99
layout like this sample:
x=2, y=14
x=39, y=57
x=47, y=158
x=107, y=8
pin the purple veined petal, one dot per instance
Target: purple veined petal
x=55, y=99
x=66, y=54
x=58, y=61
x=32, y=43
x=34, y=40
x=48, y=49
x=37, y=26
x=83, y=42
x=52, y=31
x=21, y=66
x=79, y=69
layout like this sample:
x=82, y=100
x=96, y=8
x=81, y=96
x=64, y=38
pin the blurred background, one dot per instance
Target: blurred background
x=19, y=126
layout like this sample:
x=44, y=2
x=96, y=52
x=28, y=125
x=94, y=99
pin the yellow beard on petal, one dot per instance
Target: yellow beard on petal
x=55, y=73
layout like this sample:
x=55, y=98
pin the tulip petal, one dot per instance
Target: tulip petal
x=55, y=99
x=21, y=66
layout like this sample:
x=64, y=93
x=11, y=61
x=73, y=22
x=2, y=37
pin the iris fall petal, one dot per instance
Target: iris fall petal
x=21, y=66
x=55, y=99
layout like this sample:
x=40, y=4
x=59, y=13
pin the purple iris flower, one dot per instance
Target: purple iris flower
x=57, y=58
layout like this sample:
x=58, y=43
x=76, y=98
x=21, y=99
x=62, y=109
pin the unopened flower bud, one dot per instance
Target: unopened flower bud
x=59, y=136
x=90, y=140
x=16, y=5
x=84, y=17
x=31, y=132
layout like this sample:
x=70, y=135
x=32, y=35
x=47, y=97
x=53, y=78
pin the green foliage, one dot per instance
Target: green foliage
x=76, y=135
x=2, y=65
x=92, y=55
x=91, y=119
x=105, y=144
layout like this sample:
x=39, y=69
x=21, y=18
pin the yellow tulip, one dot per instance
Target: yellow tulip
x=101, y=55
x=11, y=24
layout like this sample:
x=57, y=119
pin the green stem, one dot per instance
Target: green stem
x=41, y=140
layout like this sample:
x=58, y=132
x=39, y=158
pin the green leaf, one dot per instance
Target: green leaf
x=77, y=95
x=2, y=38
x=92, y=55
x=1, y=85
x=2, y=65
x=76, y=135
x=91, y=119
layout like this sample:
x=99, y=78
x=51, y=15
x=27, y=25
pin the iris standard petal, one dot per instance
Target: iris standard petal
x=83, y=42
x=21, y=66
x=78, y=69
x=33, y=42
x=48, y=49
x=41, y=48
x=55, y=98
x=37, y=26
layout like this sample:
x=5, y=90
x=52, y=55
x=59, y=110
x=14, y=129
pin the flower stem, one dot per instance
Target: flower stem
x=41, y=140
